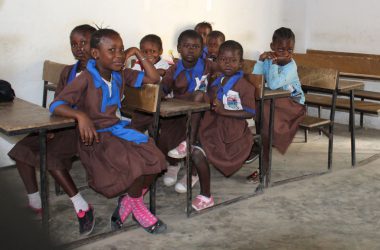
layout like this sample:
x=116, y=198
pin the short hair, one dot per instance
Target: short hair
x=153, y=39
x=203, y=24
x=99, y=34
x=283, y=34
x=231, y=45
x=216, y=34
x=189, y=34
x=84, y=28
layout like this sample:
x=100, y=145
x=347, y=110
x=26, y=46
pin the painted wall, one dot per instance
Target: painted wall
x=35, y=30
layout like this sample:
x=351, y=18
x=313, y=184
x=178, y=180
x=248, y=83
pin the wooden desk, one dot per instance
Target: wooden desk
x=22, y=117
x=271, y=95
x=175, y=107
x=347, y=88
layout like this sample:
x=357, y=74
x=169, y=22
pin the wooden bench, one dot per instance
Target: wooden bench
x=351, y=65
x=248, y=66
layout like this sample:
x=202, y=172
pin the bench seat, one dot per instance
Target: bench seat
x=365, y=107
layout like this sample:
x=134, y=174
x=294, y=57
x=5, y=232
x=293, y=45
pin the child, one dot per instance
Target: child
x=214, y=39
x=188, y=81
x=151, y=47
x=119, y=161
x=280, y=72
x=61, y=145
x=203, y=29
x=224, y=136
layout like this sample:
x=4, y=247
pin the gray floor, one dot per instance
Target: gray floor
x=338, y=210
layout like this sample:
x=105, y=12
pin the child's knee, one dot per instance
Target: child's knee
x=198, y=156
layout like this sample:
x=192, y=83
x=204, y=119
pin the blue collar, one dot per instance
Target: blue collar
x=73, y=72
x=191, y=74
x=222, y=90
x=99, y=83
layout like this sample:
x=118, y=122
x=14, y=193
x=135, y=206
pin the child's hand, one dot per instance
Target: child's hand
x=132, y=51
x=87, y=130
x=217, y=106
x=268, y=55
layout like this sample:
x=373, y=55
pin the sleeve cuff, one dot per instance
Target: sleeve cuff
x=252, y=111
x=139, y=79
x=55, y=104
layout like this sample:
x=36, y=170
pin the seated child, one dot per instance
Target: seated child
x=151, y=47
x=280, y=72
x=188, y=79
x=203, y=29
x=214, y=39
x=224, y=136
x=119, y=161
x=61, y=145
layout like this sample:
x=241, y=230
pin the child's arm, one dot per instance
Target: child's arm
x=151, y=74
x=278, y=79
x=86, y=127
x=218, y=108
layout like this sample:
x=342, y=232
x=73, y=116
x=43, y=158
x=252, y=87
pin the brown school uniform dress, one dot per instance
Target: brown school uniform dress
x=227, y=141
x=173, y=130
x=60, y=149
x=113, y=164
x=287, y=116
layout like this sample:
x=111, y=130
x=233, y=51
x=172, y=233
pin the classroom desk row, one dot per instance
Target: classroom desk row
x=22, y=117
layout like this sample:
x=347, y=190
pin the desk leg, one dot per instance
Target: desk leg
x=152, y=188
x=352, y=123
x=188, y=165
x=270, y=134
x=44, y=180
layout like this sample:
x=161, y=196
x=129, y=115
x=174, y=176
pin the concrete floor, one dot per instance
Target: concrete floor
x=338, y=210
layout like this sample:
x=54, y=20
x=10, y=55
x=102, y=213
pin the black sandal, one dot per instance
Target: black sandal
x=116, y=222
x=156, y=228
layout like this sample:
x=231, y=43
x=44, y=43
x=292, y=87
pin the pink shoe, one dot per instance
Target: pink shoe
x=202, y=202
x=121, y=213
x=179, y=152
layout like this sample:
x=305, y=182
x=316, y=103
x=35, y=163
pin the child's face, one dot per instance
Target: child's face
x=190, y=49
x=109, y=55
x=152, y=51
x=283, y=49
x=213, y=45
x=229, y=61
x=80, y=46
x=203, y=31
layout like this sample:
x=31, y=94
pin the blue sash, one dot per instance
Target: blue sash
x=191, y=74
x=99, y=83
x=126, y=134
x=222, y=90
x=73, y=73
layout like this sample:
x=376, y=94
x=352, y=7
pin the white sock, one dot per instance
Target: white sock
x=35, y=200
x=79, y=203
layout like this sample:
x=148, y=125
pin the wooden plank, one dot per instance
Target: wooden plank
x=248, y=66
x=343, y=103
x=356, y=66
x=52, y=71
x=318, y=77
x=310, y=122
x=19, y=117
x=339, y=53
x=143, y=99
x=174, y=107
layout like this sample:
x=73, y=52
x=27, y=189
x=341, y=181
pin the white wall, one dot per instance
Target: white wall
x=34, y=30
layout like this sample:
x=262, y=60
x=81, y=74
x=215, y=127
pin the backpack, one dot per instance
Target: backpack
x=7, y=94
